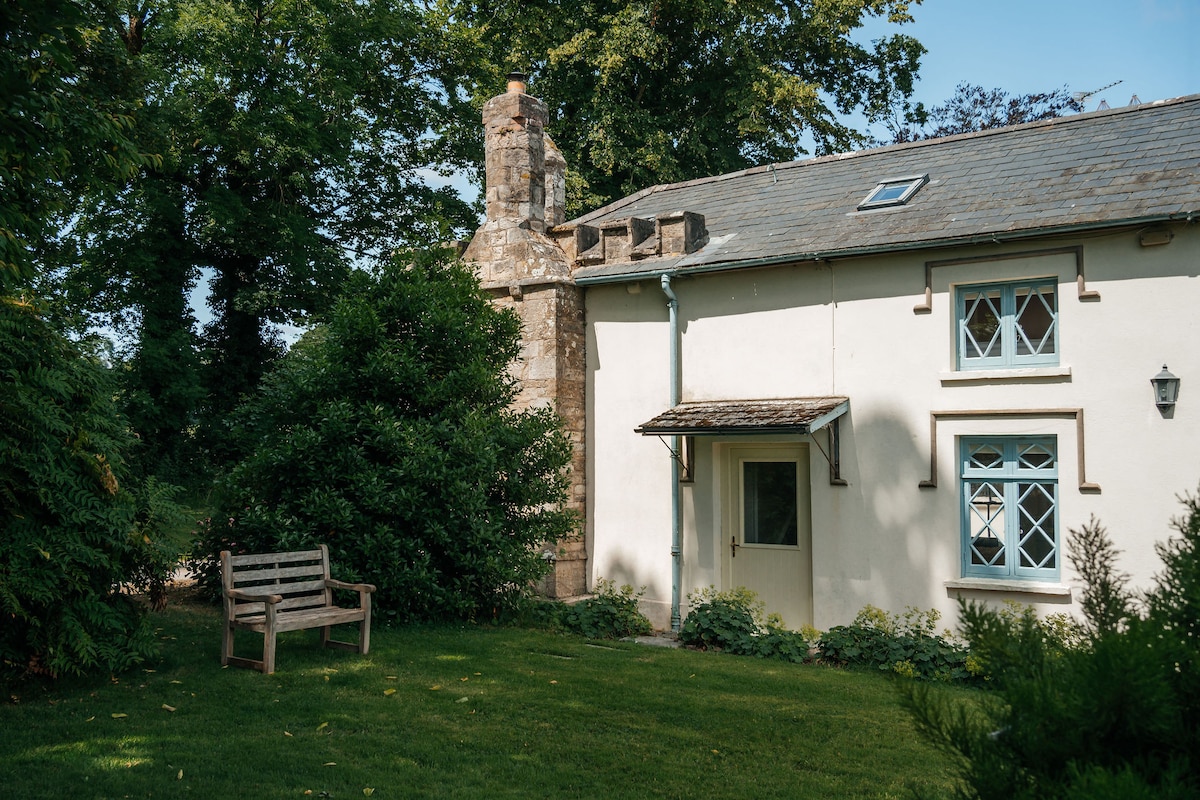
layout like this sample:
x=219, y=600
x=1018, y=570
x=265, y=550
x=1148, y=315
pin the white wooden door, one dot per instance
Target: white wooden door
x=768, y=528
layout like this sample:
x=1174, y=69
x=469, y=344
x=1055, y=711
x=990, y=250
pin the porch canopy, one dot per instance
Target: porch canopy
x=732, y=417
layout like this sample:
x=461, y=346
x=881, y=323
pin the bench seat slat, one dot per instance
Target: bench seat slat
x=301, y=620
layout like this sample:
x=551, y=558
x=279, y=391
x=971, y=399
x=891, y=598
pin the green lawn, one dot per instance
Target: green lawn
x=461, y=712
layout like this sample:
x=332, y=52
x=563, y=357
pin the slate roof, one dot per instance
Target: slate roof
x=790, y=415
x=1126, y=166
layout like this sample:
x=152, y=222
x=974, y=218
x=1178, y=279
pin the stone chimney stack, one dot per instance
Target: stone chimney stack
x=514, y=125
x=524, y=270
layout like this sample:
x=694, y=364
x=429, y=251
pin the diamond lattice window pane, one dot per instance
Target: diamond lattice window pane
x=982, y=324
x=1036, y=319
x=1036, y=456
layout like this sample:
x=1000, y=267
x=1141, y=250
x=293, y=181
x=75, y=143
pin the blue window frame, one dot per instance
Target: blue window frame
x=1003, y=325
x=1010, y=508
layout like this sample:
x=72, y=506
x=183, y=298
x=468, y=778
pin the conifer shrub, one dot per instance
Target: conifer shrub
x=387, y=433
x=1104, y=710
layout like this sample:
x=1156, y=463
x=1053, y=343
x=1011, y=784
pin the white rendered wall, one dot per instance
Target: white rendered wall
x=849, y=329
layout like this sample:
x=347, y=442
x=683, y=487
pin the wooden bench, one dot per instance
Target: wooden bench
x=274, y=592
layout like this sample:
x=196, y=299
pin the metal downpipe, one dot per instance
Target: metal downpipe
x=676, y=504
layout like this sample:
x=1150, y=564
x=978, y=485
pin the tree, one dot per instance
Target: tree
x=974, y=108
x=387, y=434
x=64, y=129
x=290, y=136
x=654, y=91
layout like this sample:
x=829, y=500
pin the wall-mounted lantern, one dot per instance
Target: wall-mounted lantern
x=1166, y=390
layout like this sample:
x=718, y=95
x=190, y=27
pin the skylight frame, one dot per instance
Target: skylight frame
x=911, y=185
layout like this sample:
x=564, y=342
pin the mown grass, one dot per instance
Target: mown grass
x=463, y=712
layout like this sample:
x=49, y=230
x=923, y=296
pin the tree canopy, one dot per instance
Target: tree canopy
x=655, y=91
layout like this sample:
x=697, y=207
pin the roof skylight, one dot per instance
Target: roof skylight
x=895, y=192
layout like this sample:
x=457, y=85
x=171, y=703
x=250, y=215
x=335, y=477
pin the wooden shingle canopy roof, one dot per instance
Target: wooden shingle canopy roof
x=1129, y=166
x=725, y=417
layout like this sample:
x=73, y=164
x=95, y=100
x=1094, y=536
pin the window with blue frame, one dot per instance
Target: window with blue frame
x=1004, y=325
x=1010, y=508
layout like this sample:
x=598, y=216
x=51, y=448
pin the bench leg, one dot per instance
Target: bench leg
x=325, y=631
x=268, y=662
x=364, y=628
x=226, y=644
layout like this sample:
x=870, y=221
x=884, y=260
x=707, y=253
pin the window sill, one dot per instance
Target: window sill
x=1004, y=375
x=993, y=585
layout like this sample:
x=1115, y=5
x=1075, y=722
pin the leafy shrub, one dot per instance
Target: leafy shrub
x=1108, y=710
x=388, y=434
x=907, y=644
x=66, y=524
x=733, y=621
x=611, y=614
x=722, y=620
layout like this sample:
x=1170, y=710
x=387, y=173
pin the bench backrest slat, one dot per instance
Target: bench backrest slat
x=275, y=558
x=299, y=603
x=242, y=577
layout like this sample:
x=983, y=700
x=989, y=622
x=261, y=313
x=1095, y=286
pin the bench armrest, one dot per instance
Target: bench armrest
x=250, y=597
x=354, y=587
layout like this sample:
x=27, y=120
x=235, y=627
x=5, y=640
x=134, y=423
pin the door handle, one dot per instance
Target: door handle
x=733, y=546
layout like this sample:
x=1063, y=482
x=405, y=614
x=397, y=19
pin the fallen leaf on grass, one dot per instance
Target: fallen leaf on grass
x=89, y=719
x=462, y=699
x=389, y=692
x=329, y=764
x=554, y=683
x=179, y=777
x=287, y=733
x=177, y=682
x=464, y=679
x=368, y=791
x=322, y=726
x=435, y=687
x=168, y=708
x=119, y=716
x=390, y=678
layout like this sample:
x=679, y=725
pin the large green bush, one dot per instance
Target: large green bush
x=1111, y=710
x=388, y=434
x=67, y=539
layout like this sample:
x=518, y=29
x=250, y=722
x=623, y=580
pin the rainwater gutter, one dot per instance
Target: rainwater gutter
x=676, y=503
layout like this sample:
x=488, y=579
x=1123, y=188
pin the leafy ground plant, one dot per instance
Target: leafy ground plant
x=612, y=613
x=735, y=621
x=465, y=712
x=907, y=644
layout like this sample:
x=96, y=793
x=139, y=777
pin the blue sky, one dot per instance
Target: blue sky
x=1025, y=46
